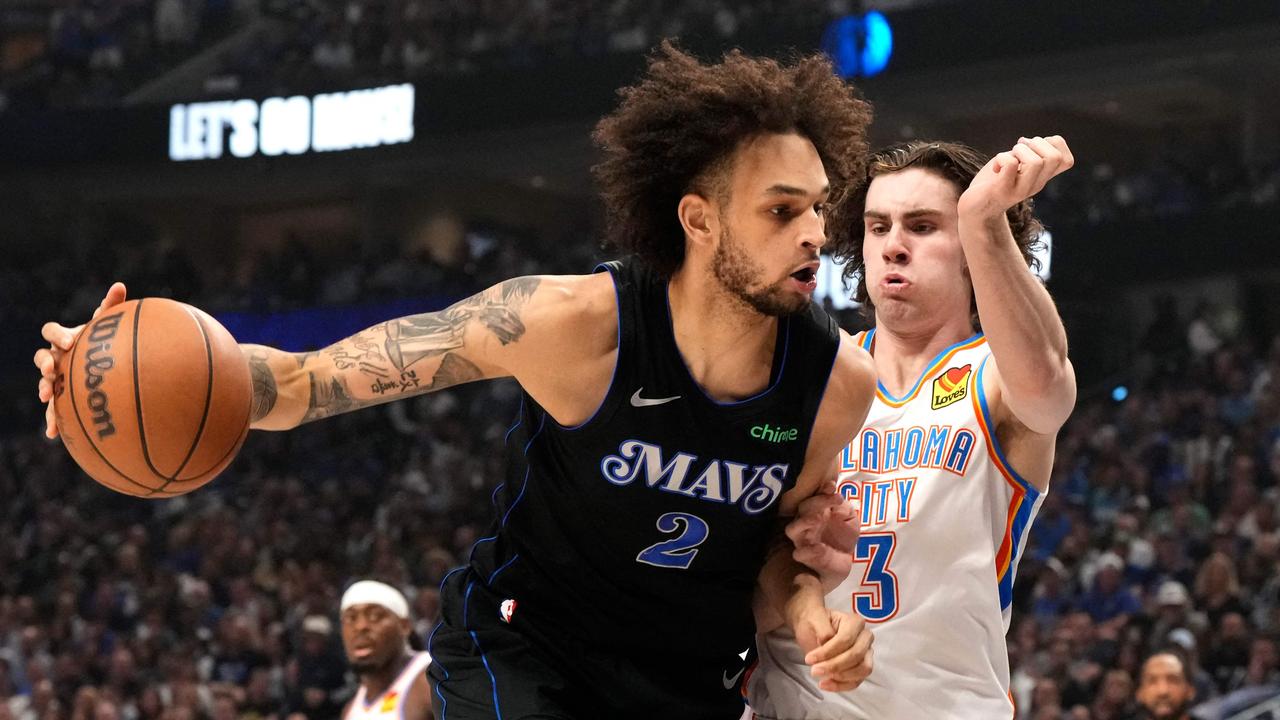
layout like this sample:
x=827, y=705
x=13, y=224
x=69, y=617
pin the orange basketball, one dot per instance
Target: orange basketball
x=153, y=398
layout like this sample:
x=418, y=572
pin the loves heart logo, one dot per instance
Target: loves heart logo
x=951, y=386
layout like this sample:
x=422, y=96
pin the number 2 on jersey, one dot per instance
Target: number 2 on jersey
x=677, y=552
x=881, y=602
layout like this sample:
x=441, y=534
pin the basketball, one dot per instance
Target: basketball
x=153, y=398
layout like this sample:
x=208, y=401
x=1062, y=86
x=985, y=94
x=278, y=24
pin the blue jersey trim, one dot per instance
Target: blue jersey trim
x=1020, y=520
x=924, y=373
x=466, y=602
x=444, y=704
x=617, y=357
x=493, y=499
x=784, y=326
x=520, y=496
x=1032, y=493
x=825, y=383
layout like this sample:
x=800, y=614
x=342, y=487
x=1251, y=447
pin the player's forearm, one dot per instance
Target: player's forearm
x=1021, y=324
x=469, y=340
x=290, y=389
x=279, y=392
x=783, y=588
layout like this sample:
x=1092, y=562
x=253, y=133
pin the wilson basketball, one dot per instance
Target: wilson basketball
x=153, y=398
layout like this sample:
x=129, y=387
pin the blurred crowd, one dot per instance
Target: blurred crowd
x=1160, y=529
x=97, y=51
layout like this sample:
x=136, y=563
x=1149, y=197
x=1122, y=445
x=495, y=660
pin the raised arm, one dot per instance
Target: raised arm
x=473, y=339
x=1032, y=375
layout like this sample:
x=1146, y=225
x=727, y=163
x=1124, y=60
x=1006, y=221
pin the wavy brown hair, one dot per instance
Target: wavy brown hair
x=955, y=162
x=675, y=131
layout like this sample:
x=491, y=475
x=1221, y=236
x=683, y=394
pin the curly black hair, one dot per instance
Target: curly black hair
x=955, y=162
x=675, y=131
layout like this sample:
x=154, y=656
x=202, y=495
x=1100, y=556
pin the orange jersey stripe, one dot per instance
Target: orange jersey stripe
x=928, y=373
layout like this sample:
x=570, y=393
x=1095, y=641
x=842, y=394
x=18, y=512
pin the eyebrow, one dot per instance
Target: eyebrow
x=910, y=215
x=793, y=190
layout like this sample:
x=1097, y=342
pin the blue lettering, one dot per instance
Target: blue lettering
x=892, y=444
x=870, y=451
x=880, y=491
x=911, y=452
x=958, y=458
x=906, y=486
x=935, y=446
x=848, y=458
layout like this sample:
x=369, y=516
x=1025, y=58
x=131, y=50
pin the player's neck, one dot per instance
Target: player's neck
x=376, y=682
x=901, y=354
x=726, y=344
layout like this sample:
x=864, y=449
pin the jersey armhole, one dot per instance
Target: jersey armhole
x=988, y=427
x=826, y=382
x=609, y=402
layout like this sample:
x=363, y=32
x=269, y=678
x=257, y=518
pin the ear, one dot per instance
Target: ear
x=699, y=217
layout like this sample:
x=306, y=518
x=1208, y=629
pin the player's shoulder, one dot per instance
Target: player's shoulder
x=853, y=375
x=585, y=299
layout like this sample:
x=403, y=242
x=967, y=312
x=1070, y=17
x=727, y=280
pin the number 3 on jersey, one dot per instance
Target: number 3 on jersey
x=677, y=552
x=880, y=601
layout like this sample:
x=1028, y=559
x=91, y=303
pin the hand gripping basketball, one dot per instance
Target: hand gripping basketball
x=151, y=398
x=60, y=340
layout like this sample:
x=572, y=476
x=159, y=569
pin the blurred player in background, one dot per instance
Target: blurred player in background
x=674, y=406
x=974, y=383
x=378, y=638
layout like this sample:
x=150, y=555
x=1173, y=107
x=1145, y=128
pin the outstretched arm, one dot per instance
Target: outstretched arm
x=1027, y=339
x=472, y=339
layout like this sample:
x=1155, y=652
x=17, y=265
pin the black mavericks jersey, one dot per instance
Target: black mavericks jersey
x=640, y=533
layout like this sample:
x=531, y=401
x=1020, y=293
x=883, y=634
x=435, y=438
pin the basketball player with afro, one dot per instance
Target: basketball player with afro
x=678, y=404
x=378, y=639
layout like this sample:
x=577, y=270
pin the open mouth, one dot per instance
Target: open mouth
x=895, y=280
x=805, y=275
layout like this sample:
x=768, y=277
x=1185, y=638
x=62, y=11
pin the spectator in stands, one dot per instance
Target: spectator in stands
x=1218, y=589
x=1109, y=601
x=1228, y=658
x=1164, y=688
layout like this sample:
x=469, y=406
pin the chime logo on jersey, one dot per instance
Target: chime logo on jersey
x=951, y=386
x=753, y=487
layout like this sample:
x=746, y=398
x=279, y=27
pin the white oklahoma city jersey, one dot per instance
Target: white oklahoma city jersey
x=944, y=519
x=390, y=704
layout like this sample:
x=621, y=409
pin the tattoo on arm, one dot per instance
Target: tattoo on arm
x=264, y=386
x=328, y=398
x=454, y=370
x=385, y=355
x=411, y=339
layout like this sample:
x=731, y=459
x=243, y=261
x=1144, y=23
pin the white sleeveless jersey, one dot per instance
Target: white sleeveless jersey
x=390, y=704
x=944, y=520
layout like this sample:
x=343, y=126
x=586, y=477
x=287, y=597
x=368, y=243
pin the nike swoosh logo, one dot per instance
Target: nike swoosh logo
x=637, y=401
x=729, y=681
